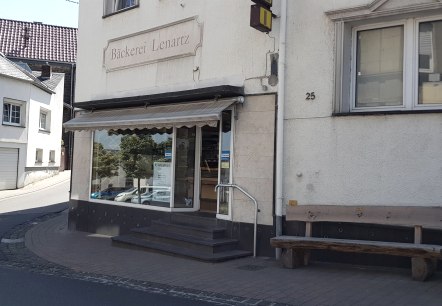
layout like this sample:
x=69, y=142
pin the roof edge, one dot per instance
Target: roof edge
x=205, y=93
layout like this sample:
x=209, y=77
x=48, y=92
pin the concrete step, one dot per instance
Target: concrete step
x=205, y=245
x=138, y=243
x=195, y=220
x=212, y=232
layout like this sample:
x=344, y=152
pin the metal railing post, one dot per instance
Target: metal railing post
x=256, y=210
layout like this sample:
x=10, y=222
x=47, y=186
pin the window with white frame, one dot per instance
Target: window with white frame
x=113, y=6
x=38, y=156
x=389, y=66
x=13, y=112
x=52, y=156
x=45, y=120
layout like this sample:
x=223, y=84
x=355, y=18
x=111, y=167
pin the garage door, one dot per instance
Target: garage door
x=8, y=168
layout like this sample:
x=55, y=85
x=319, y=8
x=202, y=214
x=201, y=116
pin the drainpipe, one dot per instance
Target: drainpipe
x=280, y=124
x=71, y=136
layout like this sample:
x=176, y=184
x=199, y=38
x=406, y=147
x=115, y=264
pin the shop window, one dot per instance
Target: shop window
x=389, y=66
x=225, y=162
x=114, y=6
x=133, y=167
x=185, y=167
x=13, y=112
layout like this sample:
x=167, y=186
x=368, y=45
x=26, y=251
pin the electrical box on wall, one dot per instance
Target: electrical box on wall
x=266, y=3
x=261, y=17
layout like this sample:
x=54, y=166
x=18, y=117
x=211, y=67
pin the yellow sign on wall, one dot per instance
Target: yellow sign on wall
x=261, y=18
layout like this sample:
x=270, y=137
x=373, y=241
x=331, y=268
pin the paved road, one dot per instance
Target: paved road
x=20, y=285
x=40, y=195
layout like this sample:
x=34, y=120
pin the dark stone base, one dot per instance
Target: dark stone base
x=362, y=232
x=114, y=220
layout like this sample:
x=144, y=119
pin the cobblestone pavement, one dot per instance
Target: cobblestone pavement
x=14, y=254
x=51, y=249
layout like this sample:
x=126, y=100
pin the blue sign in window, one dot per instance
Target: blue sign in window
x=225, y=155
x=168, y=154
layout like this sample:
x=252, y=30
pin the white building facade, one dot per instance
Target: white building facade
x=358, y=87
x=30, y=134
x=181, y=81
x=372, y=134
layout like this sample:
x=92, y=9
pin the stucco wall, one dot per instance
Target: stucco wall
x=363, y=160
x=11, y=136
x=41, y=139
x=253, y=161
x=82, y=163
x=16, y=90
x=232, y=53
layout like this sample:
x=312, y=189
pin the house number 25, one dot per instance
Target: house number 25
x=310, y=96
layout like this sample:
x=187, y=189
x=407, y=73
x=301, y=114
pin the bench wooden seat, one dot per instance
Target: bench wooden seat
x=424, y=256
x=359, y=246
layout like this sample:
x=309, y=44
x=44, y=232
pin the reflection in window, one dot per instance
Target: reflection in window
x=430, y=62
x=112, y=6
x=226, y=150
x=11, y=114
x=132, y=166
x=379, y=66
x=185, y=167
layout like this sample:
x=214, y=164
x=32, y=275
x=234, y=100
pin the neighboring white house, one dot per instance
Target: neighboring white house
x=30, y=134
x=373, y=133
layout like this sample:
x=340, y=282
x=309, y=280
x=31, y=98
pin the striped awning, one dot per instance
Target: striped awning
x=159, y=116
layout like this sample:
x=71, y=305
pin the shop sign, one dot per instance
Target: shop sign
x=175, y=40
x=162, y=174
x=168, y=154
x=225, y=155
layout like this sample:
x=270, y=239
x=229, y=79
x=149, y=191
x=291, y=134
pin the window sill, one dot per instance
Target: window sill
x=393, y=112
x=44, y=131
x=12, y=124
x=121, y=11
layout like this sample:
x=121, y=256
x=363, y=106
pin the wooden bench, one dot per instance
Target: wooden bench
x=424, y=257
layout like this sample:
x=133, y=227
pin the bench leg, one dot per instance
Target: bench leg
x=422, y=268
x=295, y=258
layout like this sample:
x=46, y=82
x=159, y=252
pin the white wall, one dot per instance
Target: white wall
x=40, y=139
x=46, y=141
x=253, y=164
x=231, y=53
x=362, y=160
x=16, y=90
x=12, y=136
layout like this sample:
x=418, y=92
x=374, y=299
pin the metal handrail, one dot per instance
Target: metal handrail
x=256, y=210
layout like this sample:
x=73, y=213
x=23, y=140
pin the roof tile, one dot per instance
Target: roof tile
x=38, y=41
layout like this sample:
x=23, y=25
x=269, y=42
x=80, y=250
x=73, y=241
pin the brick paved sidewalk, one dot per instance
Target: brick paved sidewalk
x=259, y=279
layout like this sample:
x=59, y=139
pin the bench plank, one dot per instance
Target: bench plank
x=358, y=246
x=427, y=217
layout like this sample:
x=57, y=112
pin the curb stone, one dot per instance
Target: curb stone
x=16, y=256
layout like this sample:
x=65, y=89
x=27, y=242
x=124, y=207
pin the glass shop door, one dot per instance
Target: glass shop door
x=209, y=168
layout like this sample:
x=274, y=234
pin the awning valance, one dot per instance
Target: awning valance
x=160, y=116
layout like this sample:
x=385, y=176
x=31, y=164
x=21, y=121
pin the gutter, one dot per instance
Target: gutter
x=279, y=200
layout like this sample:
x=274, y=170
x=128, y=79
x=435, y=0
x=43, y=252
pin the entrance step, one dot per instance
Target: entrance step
x=133, y=242
x=190, y=230
x=197, y=220
x=206, y=245
x=193, y=236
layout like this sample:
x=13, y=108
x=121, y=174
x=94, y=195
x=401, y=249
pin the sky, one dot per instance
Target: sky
x=54, y=12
